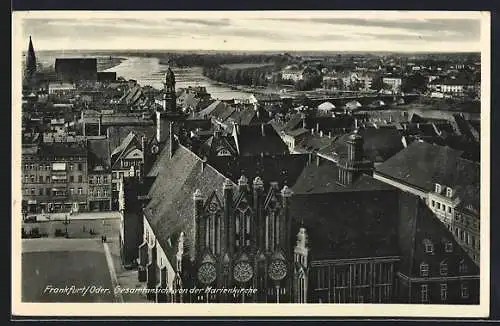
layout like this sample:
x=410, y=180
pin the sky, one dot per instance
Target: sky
x=270, y=31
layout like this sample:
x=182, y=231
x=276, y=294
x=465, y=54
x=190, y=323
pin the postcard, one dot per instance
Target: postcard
x=251, y=163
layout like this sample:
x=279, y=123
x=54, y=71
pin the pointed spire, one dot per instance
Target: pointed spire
x=30, y=61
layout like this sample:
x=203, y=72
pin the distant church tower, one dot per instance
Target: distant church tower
x=169, y=98
x=30, y=71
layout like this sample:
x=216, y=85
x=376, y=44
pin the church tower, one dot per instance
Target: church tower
x=30, y=70
x=169, y=98
x=355, y=164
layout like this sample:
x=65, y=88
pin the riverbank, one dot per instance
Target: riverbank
x=104, y=63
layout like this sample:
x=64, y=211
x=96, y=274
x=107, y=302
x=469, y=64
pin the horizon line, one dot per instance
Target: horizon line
x=273, y=50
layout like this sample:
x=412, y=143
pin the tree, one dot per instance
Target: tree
x=377, y=83
x=413, y=83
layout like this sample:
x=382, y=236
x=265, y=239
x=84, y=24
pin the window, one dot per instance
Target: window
x=443, y=268
x=71, y=178
x=80, y=178
x=443, y=207
x=449, y=209
x=437, y=188
x=424, y=269
x=80, y=191
x=98, y=193
x=464, y=290
x=71, y=167
x=462, y=235
x=473, y=241
x=444, y=292
x=462, y=267
x=47, y=167
x=79, y=166
x=98, y=180
x=424, y=294
x=433, y=203
x=104, y=179
x=105, y=191
x=32, y=191
x=32, y=179
x=47, y=179
x=40, y=192
x=71, y=191
x=439, y=205
x=429, y=247
x=40, y=179
x=26, y=166
x=448, y=246
x=449, y=192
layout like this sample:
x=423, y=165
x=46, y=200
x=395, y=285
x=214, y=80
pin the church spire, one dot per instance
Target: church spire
x=30, y=62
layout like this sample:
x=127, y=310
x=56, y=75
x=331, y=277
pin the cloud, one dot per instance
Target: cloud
x=263, y=33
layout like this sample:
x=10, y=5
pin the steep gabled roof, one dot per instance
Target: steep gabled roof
x=419, y=225
x=346, y=225
x=422, y=165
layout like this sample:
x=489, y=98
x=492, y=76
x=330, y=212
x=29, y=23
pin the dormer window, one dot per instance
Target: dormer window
x=462, y=267
x=448, y=246
x=437, y=188
x=449, y=192
x=443, y=268
x=429, y=247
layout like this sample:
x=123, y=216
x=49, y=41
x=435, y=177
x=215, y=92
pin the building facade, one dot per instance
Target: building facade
x=54, y=178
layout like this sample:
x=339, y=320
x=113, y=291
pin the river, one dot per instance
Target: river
x=149, y=71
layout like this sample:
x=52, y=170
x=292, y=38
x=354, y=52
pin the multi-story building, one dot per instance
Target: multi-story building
x=54, y=177
x=99, y=175
x=435, y=269
x=448, y=183
x=394, y=82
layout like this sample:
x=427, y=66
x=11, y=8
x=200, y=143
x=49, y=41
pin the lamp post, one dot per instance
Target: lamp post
x=66, y=222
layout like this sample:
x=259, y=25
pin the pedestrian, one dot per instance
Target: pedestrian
x=105, y=238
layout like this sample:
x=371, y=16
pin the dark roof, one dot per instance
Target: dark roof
x=379, y=144
x=99, y=153
x=323, y=178
x=284, y=169
x=330, y=123
x=244, y=116
x=313, y=143
x=118, y=133
x=63, y=149
x=346, y=225
x=170, y=209
x=294, y=122
x=422, y=165
x=418, y=224
x=251, y=141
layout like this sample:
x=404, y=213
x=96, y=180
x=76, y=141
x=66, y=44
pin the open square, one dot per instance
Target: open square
x=60, y=264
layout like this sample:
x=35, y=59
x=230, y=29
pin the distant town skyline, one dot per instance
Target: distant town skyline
x=246, y=31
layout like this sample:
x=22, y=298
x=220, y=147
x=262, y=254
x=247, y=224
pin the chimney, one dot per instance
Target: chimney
x=262, y=131
x=203, y=163
x=317, y=127
x=329, y=134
